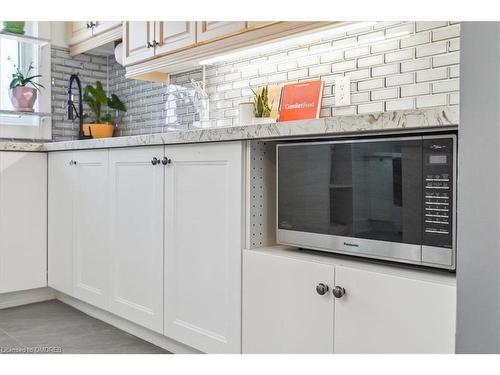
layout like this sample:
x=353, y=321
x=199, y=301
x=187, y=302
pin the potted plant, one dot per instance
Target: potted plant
x=16, y=27
x=262, y=107
x=102, y=124
x=22, y=96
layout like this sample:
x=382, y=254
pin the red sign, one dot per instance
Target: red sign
x=301, y=101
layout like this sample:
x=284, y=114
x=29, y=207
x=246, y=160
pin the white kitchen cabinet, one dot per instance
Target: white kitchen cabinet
x=23, y=221
x=256, y=24
x=385, y=309
x=203, y=244
x=282, y=311
x=384, y=313
x=174, y=35
x=80, y=31
x=138, y=41
x=136, y=214
x=60, y=221
x=104, y=26
x=210, y=30
x=84, y=36
x=78, y=227
x=90, y=227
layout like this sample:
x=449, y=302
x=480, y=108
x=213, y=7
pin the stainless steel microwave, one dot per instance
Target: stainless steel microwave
x=384, y=198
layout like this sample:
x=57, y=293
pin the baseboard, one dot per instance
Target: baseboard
x=25, y=297
x=127, y=326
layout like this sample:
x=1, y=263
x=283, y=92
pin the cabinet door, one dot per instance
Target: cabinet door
x=255, y=24
x=203, y=243
x=60, y=221
x=103, y=26
x=174, y=35
x=208, y=30
x=79, y=31
x=282, y=311
x=136, y=194
x=382, y=313
x=23, y=221
x=90, y=229
x=138, y=37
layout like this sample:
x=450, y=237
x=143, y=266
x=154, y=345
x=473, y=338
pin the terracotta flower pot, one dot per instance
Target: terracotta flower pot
x=99, y=130
x=23, y=98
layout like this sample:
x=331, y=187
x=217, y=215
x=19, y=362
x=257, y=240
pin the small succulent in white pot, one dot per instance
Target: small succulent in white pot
x=23, y=89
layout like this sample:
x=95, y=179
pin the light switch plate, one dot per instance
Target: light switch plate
x=342, y=91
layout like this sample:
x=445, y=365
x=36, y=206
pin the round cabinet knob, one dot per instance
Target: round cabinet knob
x=155, y=161
x=166, y=161
x=321, y=289
x=338, y=291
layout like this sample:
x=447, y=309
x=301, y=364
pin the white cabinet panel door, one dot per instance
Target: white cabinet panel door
x=138, y=37
x=203, y=243
x=136, y=194
x=60, y=222
x=208, y=30
x=173, y=35
x=282, y=311
x=23, y=221
x=103, y=26
x=91, y=223
x=382, y=313
x=79, y=31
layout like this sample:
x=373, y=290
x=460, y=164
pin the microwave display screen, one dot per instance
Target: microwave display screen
x=438, y=159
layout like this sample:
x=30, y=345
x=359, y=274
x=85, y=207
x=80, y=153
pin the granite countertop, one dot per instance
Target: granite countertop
x=415, y=119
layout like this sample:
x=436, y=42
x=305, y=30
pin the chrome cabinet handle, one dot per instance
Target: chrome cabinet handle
x=155, y=43
x=321, y=289
x=166, y=160
x=72, y=162
x=91, y=25
x=338, y=291
x=155, y=161
x=149, y=45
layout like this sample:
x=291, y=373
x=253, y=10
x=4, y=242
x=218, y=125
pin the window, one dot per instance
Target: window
x=22, y=53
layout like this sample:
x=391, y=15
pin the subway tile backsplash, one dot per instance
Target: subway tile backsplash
x=392, y=66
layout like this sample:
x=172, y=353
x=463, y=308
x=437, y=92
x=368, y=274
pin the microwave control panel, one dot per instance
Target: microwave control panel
x=438, y=166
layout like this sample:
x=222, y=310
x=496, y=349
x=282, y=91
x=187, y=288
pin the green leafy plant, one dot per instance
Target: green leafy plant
x=261, y=103
x=97, y=100
x=20, y=79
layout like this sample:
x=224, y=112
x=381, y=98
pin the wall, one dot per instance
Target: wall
x=91, y=68
x=392, y=66
x=478, y=252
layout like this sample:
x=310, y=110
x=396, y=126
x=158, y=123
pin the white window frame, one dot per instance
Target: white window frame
x=33, y=127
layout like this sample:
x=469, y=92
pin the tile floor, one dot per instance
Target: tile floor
x=58, y=328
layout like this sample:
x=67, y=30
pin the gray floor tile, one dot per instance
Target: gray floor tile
x=60, y=327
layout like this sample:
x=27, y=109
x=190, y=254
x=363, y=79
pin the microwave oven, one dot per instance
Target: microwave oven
x=391, y=198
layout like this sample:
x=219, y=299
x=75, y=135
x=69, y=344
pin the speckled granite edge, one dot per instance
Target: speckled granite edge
x=425, y=118
x=22, y=146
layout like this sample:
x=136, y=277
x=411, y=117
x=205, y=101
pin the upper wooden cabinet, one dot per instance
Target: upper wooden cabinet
x=138, y=41
x=171, y=36
x=255, y=24
x=103, y=26
x=86, y=35
x=210, y=30
x=79, y=31
x=153, y=50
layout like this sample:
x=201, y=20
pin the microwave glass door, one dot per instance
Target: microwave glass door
x=363, y=189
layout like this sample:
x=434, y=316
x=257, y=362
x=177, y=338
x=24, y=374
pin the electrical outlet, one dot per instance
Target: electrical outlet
x=342, y=91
